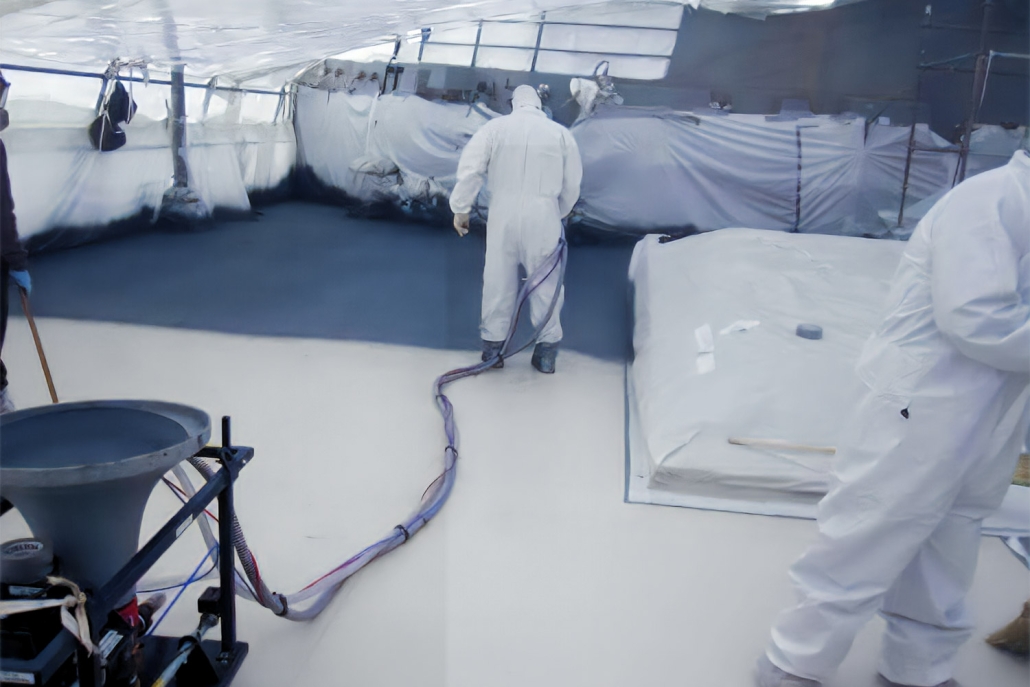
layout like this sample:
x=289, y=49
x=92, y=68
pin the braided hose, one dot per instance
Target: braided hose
x=323, y=589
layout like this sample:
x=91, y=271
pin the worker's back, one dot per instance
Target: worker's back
x=531, y=167
x=527, y=156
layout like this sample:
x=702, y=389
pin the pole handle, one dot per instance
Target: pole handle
x=39, y=344
x=785, y=445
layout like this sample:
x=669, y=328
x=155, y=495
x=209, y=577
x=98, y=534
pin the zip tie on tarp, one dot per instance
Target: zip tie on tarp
x=73, y=610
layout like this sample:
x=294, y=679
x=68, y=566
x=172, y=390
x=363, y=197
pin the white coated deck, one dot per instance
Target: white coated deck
x=536, y=572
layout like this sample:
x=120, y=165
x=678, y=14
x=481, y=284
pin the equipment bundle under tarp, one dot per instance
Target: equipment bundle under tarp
x=731, y=406
x=396, y=148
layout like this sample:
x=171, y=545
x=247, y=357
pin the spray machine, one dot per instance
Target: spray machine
x=81, y=474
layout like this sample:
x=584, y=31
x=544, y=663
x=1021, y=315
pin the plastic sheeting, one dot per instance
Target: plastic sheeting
x=397, y=148
x=60, y=182
x=251, y=38
x=761, y=383
x=653, y=169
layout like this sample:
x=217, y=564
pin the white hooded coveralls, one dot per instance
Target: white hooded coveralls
x=899, y=531
x=533, y=171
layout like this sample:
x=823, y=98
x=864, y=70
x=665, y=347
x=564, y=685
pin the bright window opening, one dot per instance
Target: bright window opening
x=636, y=39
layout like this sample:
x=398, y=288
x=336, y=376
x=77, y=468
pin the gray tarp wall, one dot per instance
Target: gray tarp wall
x=839, y=174
x=842, y=58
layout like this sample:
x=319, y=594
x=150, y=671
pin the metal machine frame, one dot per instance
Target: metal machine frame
x=213, y=663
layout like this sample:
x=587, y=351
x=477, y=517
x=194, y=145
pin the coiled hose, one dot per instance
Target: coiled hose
x=324, y=588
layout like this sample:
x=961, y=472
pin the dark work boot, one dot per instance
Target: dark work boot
x=491, y=349
x=543, y=357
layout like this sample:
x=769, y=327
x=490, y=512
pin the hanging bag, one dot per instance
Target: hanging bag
x=105, y=133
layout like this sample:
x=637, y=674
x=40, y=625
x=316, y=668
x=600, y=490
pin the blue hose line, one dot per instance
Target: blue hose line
x=194, y=576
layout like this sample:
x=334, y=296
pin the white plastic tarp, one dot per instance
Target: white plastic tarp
x=648, y=169
x=59, y=181
x=761, y=383
x=395, y=147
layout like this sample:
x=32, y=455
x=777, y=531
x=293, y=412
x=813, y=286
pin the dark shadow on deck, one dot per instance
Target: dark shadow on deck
x=312, y=271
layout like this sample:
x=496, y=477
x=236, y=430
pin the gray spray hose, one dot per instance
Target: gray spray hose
x=265, y=597
x=323, y=589
x=205, y=527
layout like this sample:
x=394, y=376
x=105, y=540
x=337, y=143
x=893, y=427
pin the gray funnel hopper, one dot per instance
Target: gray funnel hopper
x=81, y=475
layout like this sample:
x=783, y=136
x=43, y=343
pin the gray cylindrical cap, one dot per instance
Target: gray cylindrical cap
x=810, y=331
x=25, y=561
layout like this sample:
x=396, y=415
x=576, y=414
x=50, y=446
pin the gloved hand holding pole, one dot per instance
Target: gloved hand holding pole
x=461, y=223
x=23, y=280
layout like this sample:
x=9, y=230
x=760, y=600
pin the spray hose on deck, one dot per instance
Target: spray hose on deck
x=320, y=592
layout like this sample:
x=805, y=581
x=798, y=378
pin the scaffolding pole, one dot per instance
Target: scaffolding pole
x=983, y=58
x=976, y=97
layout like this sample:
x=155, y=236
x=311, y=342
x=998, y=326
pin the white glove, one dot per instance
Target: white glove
x=461, y=223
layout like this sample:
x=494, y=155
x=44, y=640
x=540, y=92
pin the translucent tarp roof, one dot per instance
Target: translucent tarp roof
x=265, y=39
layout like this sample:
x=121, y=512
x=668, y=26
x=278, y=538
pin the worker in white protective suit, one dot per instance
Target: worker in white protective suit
x=532, y=169
x=930, y=451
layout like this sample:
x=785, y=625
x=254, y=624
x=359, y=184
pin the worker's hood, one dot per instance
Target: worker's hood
x=524, y=96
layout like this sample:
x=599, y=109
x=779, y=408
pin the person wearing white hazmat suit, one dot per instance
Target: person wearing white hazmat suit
x=930, y=450
x=532, y=169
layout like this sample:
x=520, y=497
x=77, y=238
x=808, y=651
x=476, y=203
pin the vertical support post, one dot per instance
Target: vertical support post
x=908, y=166
x=226, y=570
x=180, y=204
x=979, y=76
x=425, y=39
x=797, y=197
x=539, y=40
x=910, y=152
x=226, y=558
x=475, y=48
x=180, y=172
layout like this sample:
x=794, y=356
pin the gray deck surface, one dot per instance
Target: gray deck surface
x=312, y=271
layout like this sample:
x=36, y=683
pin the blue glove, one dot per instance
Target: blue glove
x=22, y=279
